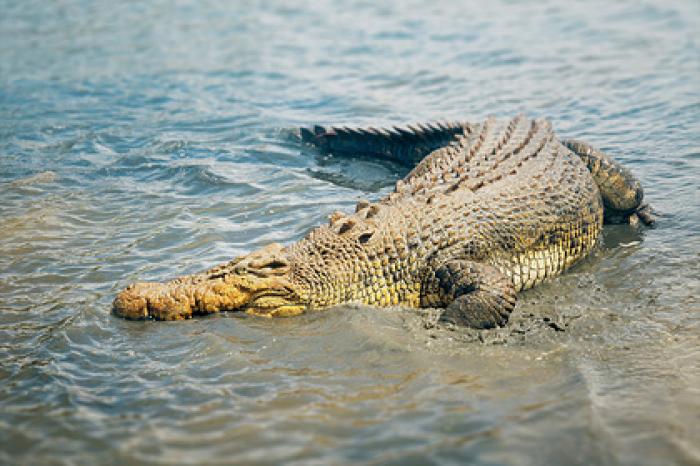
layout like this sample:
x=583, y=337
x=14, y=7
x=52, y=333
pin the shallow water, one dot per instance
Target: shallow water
x=147, y=140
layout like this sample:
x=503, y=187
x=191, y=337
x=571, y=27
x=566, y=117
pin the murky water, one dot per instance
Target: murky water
x=143, y=140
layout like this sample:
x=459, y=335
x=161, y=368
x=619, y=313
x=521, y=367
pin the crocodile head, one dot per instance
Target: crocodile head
x=258, y=283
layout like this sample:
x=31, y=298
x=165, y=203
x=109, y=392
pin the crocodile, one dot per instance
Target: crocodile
x=487, y=210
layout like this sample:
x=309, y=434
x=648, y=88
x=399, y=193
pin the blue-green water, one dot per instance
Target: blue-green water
x=143, y=140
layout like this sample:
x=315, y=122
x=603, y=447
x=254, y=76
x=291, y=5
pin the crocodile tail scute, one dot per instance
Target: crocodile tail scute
x=405, y=144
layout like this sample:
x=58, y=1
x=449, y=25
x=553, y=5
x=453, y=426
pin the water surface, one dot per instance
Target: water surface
x=143, y=140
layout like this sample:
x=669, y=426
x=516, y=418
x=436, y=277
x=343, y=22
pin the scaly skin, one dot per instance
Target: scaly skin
x=494, y=208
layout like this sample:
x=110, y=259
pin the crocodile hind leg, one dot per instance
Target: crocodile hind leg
x=407, y=145
x=476, y=295
x=621, y=191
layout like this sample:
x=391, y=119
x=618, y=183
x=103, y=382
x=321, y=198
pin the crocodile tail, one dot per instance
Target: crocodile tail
x=405, y=144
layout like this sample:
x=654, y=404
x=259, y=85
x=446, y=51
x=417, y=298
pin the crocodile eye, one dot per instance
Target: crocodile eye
x=364, y=237
x=276, y=264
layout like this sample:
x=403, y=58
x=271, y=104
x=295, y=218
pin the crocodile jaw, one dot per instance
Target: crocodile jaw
x=185, y=297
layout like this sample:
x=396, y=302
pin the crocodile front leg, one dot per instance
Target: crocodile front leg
x=475, y=294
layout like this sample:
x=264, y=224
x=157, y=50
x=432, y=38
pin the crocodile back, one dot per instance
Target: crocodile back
x=504, y=193
x=524, y=202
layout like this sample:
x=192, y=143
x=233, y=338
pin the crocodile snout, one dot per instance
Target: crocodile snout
x=154, y=300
